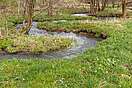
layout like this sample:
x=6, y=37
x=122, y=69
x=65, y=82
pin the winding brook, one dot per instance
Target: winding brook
x=80, y=45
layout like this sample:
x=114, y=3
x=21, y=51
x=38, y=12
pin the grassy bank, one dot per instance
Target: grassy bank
x=33, y=44
x=97, y=29
x=108, y=65
x=42, y=17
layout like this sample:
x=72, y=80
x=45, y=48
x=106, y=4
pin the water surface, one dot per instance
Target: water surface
x=81, y=43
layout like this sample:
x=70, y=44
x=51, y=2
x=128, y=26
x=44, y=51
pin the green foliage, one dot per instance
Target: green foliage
x=42, y=17
x=67, y=26
x=34, y=44
x=15, y=19
x=108, y=65
x=109, y=12
x=5, y=42
x=4, y=23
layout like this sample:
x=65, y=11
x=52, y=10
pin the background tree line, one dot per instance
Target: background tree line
x=26, y=8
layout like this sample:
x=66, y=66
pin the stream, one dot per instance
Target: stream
x=81, y=44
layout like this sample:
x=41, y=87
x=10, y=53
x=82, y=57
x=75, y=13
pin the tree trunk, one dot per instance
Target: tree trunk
x=124, y=10
x=92, y=7
x=50, y=8
x=98, y=5
x=28, y=17
x=104, y=4
x=22, y=6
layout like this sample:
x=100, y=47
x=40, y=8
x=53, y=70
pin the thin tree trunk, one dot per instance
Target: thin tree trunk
x=104, y=4
x=124, y=10
x=50, y=8
x=29, y=16
x=92, y=7
x=98, y=5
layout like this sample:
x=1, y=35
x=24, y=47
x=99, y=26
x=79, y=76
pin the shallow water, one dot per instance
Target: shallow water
x=97, y=18
x=80, y=45
x=80, y=14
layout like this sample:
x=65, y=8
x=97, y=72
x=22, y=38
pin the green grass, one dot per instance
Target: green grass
x=109, y=12
x=43, y=17
x=108, y=65
x=76, y=26
x=34, y=44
